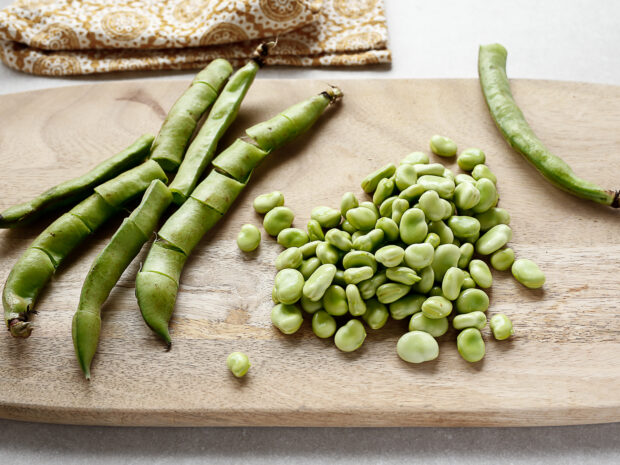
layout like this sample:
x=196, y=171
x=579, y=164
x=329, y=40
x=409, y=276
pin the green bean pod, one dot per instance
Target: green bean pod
x=158, y=282
x=517, y=132
x=108, y=267
x=179, y=125
x=39, y=262
x=77, y=189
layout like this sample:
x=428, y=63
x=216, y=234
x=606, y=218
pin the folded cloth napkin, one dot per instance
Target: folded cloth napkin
x=70, y=37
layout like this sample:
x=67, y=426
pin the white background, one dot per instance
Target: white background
x=575, y=40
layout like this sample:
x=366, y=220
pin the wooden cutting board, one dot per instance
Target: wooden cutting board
x=561, y=367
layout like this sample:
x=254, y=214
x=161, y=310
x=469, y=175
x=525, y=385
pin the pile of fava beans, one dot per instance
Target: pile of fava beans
x=408, y=253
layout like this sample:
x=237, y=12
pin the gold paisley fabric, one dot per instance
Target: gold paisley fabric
x=71, y=37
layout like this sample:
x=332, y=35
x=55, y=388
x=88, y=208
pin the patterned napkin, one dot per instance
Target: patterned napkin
x=70, y=37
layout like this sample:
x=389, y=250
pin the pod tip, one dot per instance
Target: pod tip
x=261, y=52
x=333, y=94
x=20, y=328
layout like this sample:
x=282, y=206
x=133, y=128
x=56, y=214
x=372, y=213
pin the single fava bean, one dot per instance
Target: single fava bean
x=348, y=227
x=335, y=300
x=446, y=236
x=443, y=146
x=405, y=176
x=492, y=217
x=418, y=256
x=503, y=259
x=482, y=171
x=389, y=228
x=362, y=218
x=385, y=209
x=351, y=336
x=469, y=158
x=287, y=318
x=412, y=193
x=339, y=239
x=390, y=255
x=376, y=314
x=427, y=279
x=309, y=249
x=289, y=284
x=467, y=251
x=403, y=275
x=444, y=187
x=383, y=191
x=452, y=282
x=327, y=217
x=435, y=291
x=464, y=226
x=317, y=284
x=357, y=306
x=463, y=178
x=468, y=283
x=391, y=292
x=406, y=306
x=413, y=227
x=315, y=231
x=435, y=169
x=370, y=182
x=370, y=241
x=476, y=320
x=248, y=238
x=309, y=306
x=417, y=347
x=358, y=274
x=527, y=273
x=289, y=258
x=494, y=239
x=488, y=195
x=370, y=206
x=399, y=207
x=432, y=239
x=356, y=258
x=466, y=196
x=470, y=345
x=277, y=219
x=434, y=207
x=481, y=273
x=446, y=256
x=472, y=300
x=238, y=363
x=369, y=287
x=348, y=202
x=339, y=278
x=355, y=235
x=309, y=266
x=266, y=202
x=323, y=324
x=327, y=253
x=501, y=326
x=292, y=237
x=415, y=158
x=437, y=307
x=435, y=327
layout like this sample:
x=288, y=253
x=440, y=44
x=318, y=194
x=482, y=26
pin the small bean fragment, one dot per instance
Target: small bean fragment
x=480, y=273
x=292, y=237
x=503, y=259
x=369, y=184
x=435, y=169
x=339, y=239
x=369, y=287
x=327, y=217
x=469, y=158
x=418, y=256
x=501, y=326
x=391, y=292
x=415, y=158
x=406, y=306
x=362, y=218
x=494, y=239
x=277, y=219
x=405, y=176
x=335, y=300
x=467, y=252
x=348, y=202
x=389, y=228
x=359, y=258
x=399, y=207
x=323, y=324
x=403, y=275
x=446, y=256
x=369, y=241
x=248, y=238
x=309, y=249
x=527, y=273
x=309, y=266
x=376, y=314
x=315, y=231
x=266, y=202
x=443, y=146
x=472, y=300
x=289, y=258
x=466, y=196
x=319, y=281
x=309, y=306
x=470, y=345
x=413, y=227
x=327, y=253
x=435, y=291
x=432, y=239
x=289, y=284
x=351, y=336
x=427, y=279
x=358, y=274
x=238, y=363
x=493, y=217
x=436, y=307
x=482, y=171
x=417, y=347
x=476, y=320
x=287, y=318
x=435, y=327
x=444, y=187
x=390, y=255
x=452, y=282
x=357, y=306
x=488, y=195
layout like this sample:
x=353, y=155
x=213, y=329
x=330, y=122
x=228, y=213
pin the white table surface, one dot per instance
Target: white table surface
x=575, y=40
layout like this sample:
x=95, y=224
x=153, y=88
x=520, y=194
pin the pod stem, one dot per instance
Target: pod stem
x=615, y=203
x=20, y=328
x=333, y=94
x=262, y=51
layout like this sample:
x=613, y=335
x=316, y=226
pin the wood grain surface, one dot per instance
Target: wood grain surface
x=561, y=367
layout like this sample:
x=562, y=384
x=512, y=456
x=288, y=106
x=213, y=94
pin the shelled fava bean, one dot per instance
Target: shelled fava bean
x=415, y=253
